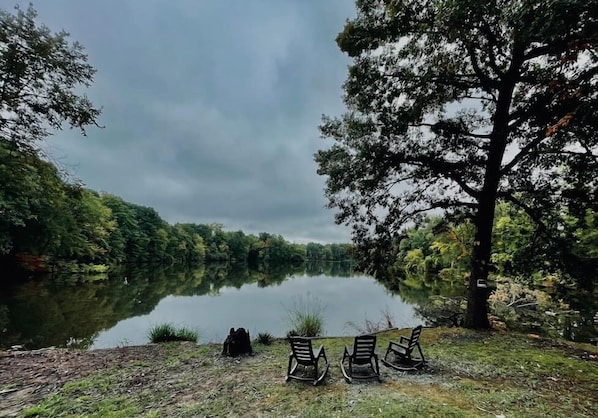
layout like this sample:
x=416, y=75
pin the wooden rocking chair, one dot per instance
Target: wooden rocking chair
x=362, y=354
x=302, y=353
x=402, y=352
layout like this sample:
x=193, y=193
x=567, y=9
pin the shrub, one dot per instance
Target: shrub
x=166, y=332
x=309, y=324
x=265, y=338
x=370, y=327
x=442, y=311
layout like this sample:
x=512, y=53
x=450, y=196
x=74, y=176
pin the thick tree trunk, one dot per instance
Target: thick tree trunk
x=477, y=294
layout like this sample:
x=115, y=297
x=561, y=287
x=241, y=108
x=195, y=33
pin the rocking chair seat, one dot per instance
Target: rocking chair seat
x=402, y=351
x=303, y=354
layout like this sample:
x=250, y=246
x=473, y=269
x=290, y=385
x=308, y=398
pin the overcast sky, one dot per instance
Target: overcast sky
x=211, y=108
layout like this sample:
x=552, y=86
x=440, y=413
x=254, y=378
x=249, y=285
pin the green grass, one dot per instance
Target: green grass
x=470, y=374
x=167, y=333
x=90, y=397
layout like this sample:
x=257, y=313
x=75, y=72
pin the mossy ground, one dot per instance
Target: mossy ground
x=470, y=374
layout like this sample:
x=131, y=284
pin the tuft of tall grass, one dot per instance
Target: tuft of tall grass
x=265, y=338
x=306, y=318
x=167, y=332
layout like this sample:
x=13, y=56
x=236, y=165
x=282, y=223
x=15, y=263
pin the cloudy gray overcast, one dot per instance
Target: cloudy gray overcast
x=210, y=107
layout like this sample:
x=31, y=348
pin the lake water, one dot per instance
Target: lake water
x=119, y=311
x=341, y=300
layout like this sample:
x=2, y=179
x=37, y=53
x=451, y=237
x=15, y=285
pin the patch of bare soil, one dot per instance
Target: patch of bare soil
x=27, y=377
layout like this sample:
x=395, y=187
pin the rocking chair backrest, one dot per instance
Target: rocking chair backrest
x=414, y=340
x=303, y=350
x=363, y=349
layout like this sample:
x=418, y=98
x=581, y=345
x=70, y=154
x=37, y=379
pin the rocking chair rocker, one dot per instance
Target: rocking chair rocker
x=302, y=353
x=362, y=354
x=402, y=351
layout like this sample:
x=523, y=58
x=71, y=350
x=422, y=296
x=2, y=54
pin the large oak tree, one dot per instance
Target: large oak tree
x=454, y=105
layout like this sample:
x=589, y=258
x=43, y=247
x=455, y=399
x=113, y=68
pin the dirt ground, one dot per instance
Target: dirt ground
x=26, y=377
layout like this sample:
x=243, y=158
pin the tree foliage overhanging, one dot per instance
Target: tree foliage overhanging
x=456, y=105
x=40, y=73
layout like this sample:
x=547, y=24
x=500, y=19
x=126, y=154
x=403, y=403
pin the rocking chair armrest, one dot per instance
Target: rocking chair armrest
x=404, y=339
x=396, y=346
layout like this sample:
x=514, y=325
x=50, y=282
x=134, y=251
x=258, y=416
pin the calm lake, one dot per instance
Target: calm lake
x=69, y=311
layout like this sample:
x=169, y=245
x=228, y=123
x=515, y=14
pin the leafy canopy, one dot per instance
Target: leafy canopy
x=453, y=105
x=40, y=75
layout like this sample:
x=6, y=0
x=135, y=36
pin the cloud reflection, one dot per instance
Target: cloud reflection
x=265, y=309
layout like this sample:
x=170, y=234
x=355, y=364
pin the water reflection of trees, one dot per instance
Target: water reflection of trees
x=65, y=310
x=564, y=311
x=416, y=289
x=338, y=269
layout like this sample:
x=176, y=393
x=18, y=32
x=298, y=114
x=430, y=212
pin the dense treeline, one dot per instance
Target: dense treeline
x=47, y=221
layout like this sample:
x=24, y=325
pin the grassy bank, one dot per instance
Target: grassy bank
x=470, y=374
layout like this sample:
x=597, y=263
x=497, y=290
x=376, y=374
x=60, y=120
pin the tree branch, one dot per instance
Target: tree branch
x=521, y=154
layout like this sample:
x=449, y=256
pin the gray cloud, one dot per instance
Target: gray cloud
x=211, y=108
